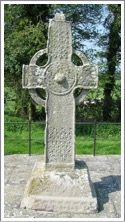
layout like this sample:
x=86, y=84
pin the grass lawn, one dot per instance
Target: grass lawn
x=108, y=136
x=108, y=139
x=102, y=147
x=82, y=147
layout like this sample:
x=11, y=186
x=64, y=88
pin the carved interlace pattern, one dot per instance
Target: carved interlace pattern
x=60, y=144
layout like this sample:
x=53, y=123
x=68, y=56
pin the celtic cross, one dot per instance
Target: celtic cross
x=59, y=77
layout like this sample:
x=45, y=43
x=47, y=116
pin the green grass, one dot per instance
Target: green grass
x=108, y=138
x=21, y=147
x=82, y=147
x=102, y=147
x=20, y=134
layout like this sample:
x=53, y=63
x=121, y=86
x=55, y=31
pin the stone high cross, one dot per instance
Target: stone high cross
x=59, y=77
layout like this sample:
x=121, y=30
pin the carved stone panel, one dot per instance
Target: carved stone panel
x=60, y=130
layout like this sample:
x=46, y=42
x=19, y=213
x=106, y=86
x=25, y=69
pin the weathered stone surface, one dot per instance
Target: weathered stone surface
x=59, y=77
x=14, y=192
x=60, y=141
x=64, y=191
x=59, y=185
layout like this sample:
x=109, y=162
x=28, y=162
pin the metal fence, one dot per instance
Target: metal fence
x=30, y=139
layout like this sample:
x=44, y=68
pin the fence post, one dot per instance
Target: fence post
x=29, y=139
x=94, y=137
x=29, y=128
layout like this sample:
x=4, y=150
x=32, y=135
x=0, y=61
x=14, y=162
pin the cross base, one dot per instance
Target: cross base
x=62, y=190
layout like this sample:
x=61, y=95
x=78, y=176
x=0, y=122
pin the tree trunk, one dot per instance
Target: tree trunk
x=114, y=43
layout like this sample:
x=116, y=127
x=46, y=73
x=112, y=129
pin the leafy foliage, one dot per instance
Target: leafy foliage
x=25, y=33
x=113, y=57
x=97, y=25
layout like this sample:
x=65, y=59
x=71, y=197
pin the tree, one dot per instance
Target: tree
x=25, y=33
x=113, y=23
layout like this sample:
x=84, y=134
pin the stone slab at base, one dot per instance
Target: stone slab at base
x=60, y=190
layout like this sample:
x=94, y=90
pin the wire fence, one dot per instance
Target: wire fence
x=81, y=128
